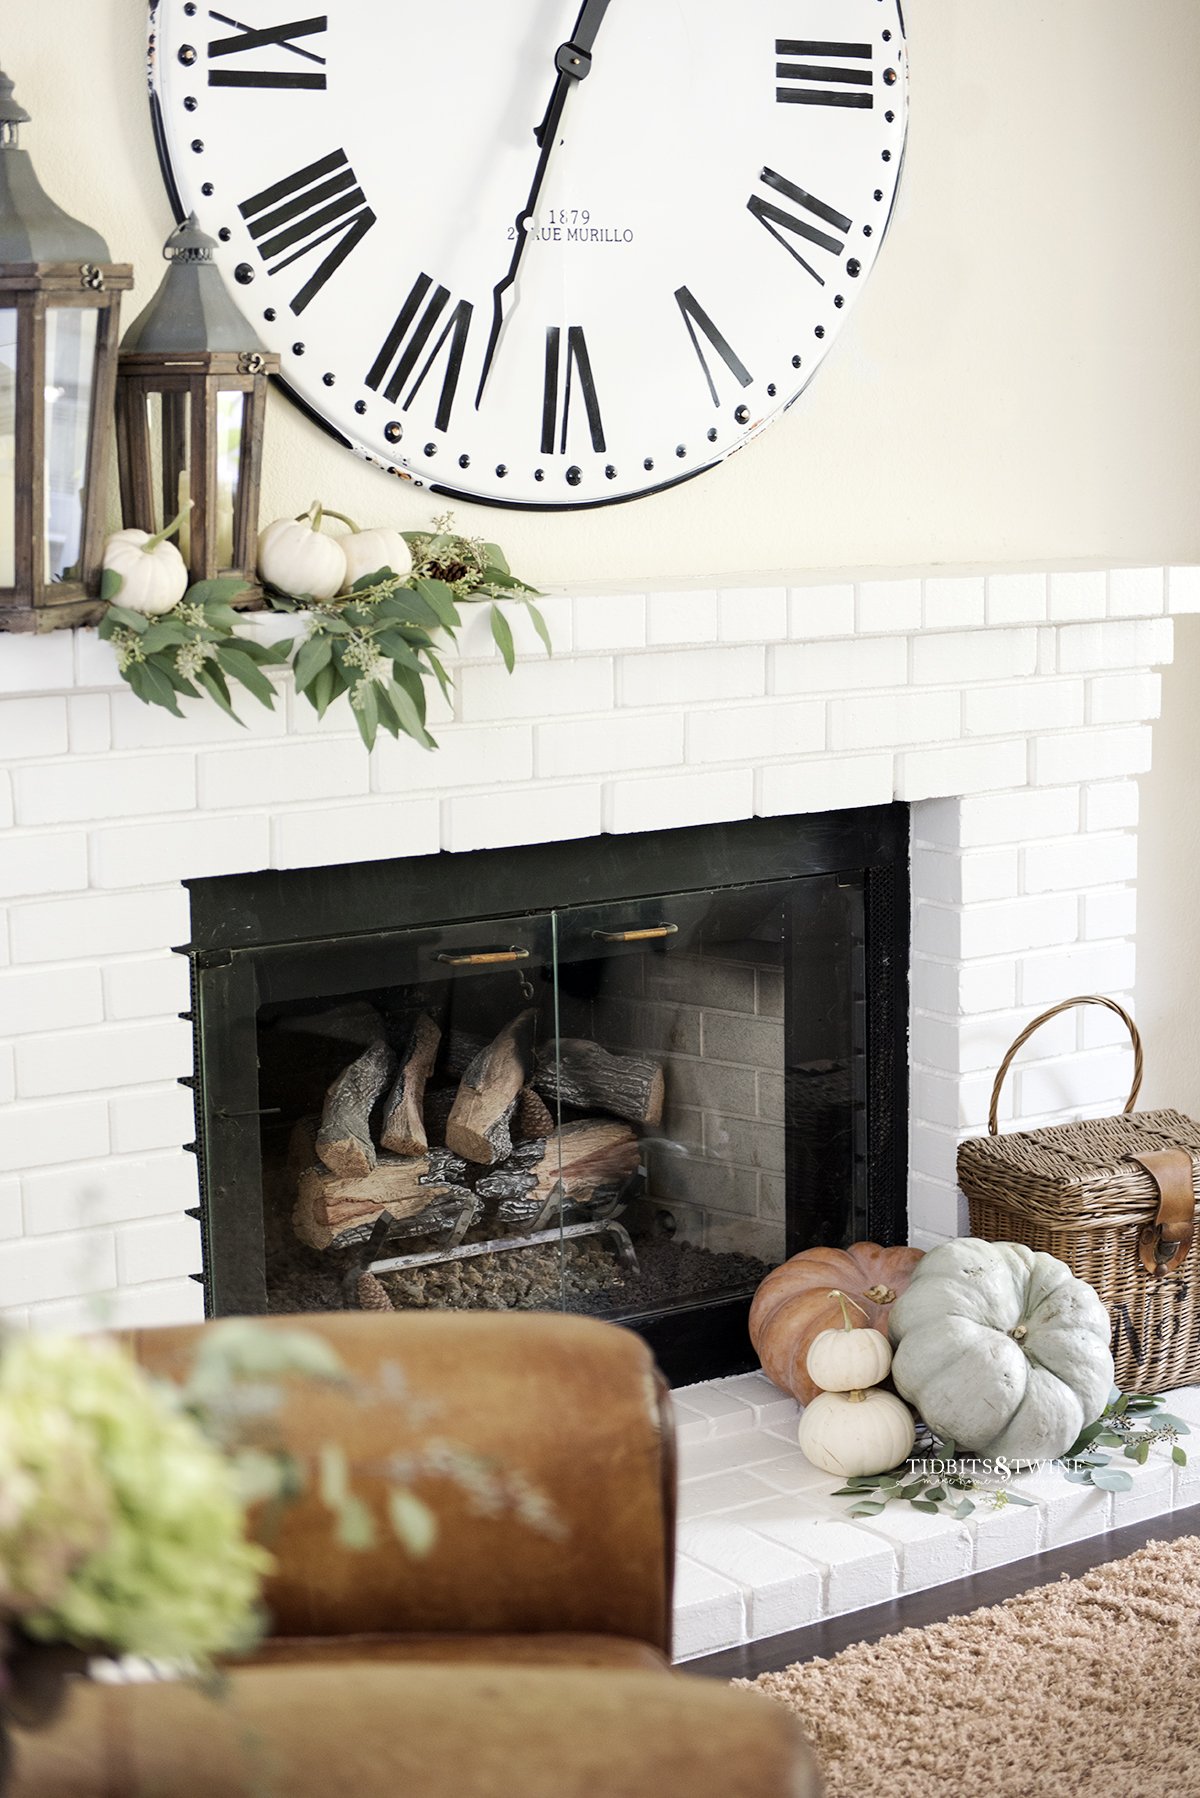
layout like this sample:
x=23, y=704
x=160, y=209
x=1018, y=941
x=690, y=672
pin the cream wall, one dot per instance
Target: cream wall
x=1020, y=382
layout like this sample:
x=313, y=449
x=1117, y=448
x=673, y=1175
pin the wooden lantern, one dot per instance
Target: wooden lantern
x=191, y=403
x=60, y=298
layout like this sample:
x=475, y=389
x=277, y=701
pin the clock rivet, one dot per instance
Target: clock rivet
x=838, y=301
x=796, y=360
x=328, y=379
x=886, y=156
x=890, y=117
x=771, y=391
x=198, y=145
x=610, y=473
x=712, y=433
x=270, y=315
x=742, y=415
x=207, y=190
x=224, y=233
x=431, y=449
x=393, y=431
x=681, y=449
x=501, y=469
x=297, y=349
x=648, y=464
x=889, y=76
x=190, y=9
x=887, y=37
x=539, y=474
x=190, y=103
x=243, y=274
x=187, y=55
x=574, y=476
x=360, y=406
x=867, y=232
x=820, y=331
x=464, y=461
x=854, y=268
x=879, y=193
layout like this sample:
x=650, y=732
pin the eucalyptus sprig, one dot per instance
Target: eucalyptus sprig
x=191, y=650
x=378, y=643
x=958, y=1486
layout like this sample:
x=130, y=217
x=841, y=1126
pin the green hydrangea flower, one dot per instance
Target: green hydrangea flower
x=121, y=1525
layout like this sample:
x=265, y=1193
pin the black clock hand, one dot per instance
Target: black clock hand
x=573, y=60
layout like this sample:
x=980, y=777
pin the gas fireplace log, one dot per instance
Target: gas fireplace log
x=440, y=1215
x=477, y=1127
x=597, y=1155
x=532, y=1118
x=401, y=1184
x=344, y=1139
x=585, y=1076
x=403, y=1121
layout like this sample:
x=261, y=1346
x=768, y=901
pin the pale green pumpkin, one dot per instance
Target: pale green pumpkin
x=1002, y=1349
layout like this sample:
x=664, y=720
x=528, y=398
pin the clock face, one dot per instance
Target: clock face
x=539, y=253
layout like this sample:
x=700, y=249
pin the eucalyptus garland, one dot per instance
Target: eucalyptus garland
x=378, y=643
x=935, y=1479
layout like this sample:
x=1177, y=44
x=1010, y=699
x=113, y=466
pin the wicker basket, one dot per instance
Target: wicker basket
x=1115, y=1198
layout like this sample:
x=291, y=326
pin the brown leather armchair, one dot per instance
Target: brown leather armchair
x=535, y=1661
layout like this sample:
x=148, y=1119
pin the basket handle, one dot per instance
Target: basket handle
x=1066, y=1004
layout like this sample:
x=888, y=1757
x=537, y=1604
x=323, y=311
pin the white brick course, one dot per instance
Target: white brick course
x=108, y=787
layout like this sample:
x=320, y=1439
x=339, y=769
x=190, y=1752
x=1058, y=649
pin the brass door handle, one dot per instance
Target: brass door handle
x=636, y=936
x=478, y=958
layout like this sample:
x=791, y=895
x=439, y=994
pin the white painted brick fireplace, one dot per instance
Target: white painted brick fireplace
x=1011, y=710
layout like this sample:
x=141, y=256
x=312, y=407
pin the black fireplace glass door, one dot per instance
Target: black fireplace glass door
x=631, y=1110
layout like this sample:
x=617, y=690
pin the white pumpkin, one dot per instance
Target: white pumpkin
x=847, y=1360
x=1002, y=1349
x=153, y=574
x=296, y=557
x=368, y=551
x=849, y=1433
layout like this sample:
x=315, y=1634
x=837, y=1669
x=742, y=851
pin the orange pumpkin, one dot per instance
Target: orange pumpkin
x=793, y=1304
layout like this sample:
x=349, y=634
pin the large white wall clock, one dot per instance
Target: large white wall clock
x=534, y=252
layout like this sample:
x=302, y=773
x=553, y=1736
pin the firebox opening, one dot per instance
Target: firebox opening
x=632, y=1108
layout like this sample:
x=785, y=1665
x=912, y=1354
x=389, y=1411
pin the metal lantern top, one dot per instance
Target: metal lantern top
x=32, y=228
x=192, y=311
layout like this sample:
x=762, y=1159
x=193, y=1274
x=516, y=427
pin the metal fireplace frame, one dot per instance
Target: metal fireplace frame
x=240, y=921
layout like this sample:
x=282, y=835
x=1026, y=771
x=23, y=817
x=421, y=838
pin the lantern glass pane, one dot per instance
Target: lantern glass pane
x=169, y=432
x=8, y=445
x=231, y=411
x=70, y=369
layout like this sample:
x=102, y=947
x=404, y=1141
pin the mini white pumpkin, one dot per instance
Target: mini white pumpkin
x=153, y=574
x=294, y=556
x=368, y=551
x=848, y=1359
x=849, y=1433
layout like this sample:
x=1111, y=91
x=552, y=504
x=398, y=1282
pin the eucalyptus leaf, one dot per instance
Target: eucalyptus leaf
x=924, y=1504
x=502, y=632
x=964, y=1509
x=311, y=657
x=867, y=1507
x=366, y=712
x=1166, y=1420
x=1179, y=1455
x=130, y=621
x=1112, y=1479
x=412, y=1521
x=324, y=690
x=222, y=590
x=1018, y=1498
x=213, y=681
x=248, y=673
x=110, y=584
x=539, y=625
x=365, y=581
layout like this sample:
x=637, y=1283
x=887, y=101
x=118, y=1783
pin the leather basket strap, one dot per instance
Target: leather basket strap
x=1163, y=1245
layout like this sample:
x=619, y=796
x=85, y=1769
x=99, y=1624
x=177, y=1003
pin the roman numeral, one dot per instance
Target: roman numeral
x=561, y=375
x=777, y=220
x=697, y=320
x=282, y=37
x=405, y=344
x=823, y=74
x=303, y=211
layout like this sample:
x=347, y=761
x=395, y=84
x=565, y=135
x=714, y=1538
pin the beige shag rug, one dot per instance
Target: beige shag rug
x=1088, y=1685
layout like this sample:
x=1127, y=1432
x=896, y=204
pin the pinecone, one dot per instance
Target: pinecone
x=373, y=1294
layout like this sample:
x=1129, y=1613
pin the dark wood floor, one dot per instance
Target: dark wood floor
x=939, y=1602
